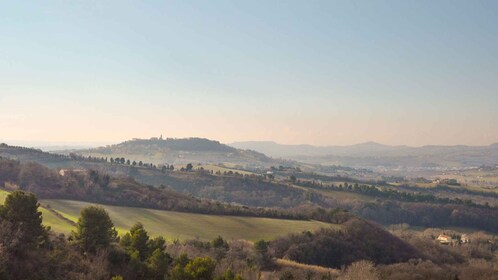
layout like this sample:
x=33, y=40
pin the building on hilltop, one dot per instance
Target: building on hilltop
x=444, y=239
x=63, y=172
x=464, y=238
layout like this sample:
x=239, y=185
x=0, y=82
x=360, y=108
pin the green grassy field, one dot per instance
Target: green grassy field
x=180, y=225
x=49, y=219
x=222, y=169
x=215, y=168
x=176, y=225
x=3, y=195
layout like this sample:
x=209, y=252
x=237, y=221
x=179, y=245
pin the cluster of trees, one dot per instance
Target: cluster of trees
x=230, y=173
x=389, y=193
x=124, y=161
x=357, y=240
x=189, y=167
x=428, y=215
x=286, y=168
x=93, y=251
x=21, y=233
x=364, y=251
x=77, y=157
x=446, y=188
x=311, y=176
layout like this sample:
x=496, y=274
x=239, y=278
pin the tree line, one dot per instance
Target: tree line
x=390, y=193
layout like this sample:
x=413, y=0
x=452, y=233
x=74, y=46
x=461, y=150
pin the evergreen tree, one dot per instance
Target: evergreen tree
x=136, y=241
x=94, y=229
x=20, y=210
x=200, y=268
x=158, y=264
x=189, y=167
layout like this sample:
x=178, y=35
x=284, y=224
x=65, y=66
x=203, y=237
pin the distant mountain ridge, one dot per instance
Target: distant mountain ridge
x=282, y=150
x=372, y=154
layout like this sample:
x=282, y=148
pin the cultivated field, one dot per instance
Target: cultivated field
x=175, y=225
x=56, y=223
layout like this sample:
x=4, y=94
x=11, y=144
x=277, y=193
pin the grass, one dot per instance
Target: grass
x=49, y=219
x=341, y=195
x=178, y=225
x=474, y=179
x=215, y=168
x=315, y=268
x=175, y=225
x=56, y=223
x=222, y=169
x=3, y=195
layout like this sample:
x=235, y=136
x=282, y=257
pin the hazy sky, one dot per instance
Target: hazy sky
x=318, y=72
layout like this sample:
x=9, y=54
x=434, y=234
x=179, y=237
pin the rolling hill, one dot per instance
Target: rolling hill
x=180, y=225
x=179, y=151
x=251, y=190
x=196, y=191
x=61, y=215
x=381, y=157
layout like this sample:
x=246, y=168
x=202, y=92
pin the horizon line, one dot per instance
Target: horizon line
x=48, y=143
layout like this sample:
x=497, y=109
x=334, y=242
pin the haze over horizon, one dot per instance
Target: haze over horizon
x=325, y=73
x=57, y=145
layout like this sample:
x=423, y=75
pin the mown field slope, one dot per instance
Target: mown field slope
x=181, y=225
x=56, y=222
x=59, y=215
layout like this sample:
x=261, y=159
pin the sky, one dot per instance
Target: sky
x=315, y=72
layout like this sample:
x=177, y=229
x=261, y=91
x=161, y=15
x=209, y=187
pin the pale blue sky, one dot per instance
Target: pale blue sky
x=318, y=72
